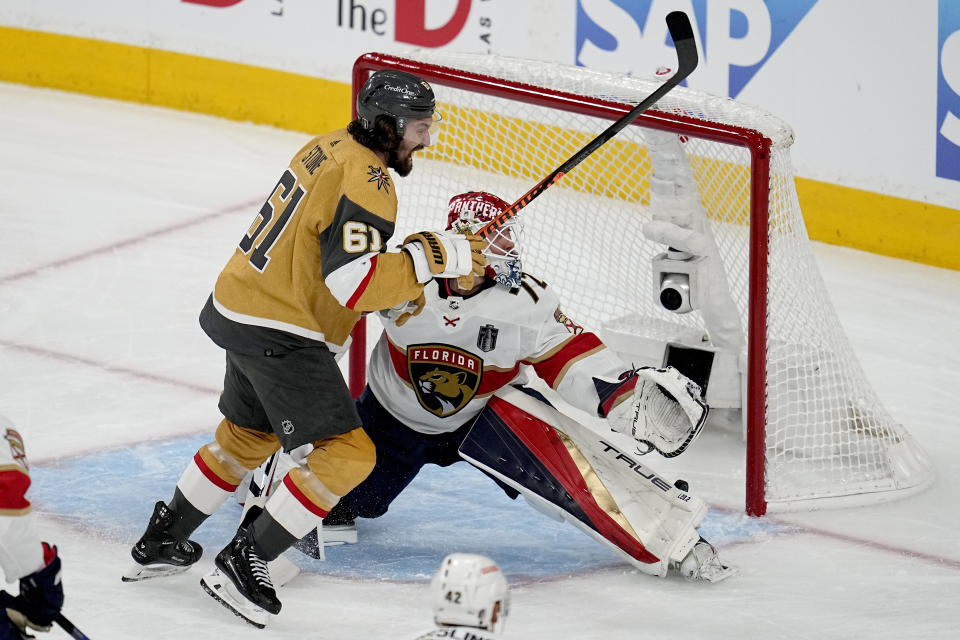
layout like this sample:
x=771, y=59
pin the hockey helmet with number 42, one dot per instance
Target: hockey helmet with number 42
x=472, y=211
x=470, y=590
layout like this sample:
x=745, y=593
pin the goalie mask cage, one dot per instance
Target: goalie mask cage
x=816, y=434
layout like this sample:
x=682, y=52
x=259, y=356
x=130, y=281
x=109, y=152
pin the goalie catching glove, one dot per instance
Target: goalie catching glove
x=444, y=254
x=666, y=412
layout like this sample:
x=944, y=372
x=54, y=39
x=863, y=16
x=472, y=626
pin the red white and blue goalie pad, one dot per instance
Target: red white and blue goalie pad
x=529, y=454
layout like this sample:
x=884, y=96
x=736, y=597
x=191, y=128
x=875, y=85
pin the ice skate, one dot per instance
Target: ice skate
x=703, y=564
x=222, y=590
x=159, y=554
x=241, y=581
x=338, y=528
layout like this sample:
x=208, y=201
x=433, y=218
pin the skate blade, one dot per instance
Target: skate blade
x=714, y=574
x=335, y=535
x=139, y=572
x=338, y=543
x=222, y=590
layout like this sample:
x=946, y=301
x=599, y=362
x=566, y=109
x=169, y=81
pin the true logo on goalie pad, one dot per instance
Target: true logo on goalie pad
x=444, y=378
x=639, y=469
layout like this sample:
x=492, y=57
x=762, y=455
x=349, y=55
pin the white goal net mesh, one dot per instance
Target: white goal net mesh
x=826, y=433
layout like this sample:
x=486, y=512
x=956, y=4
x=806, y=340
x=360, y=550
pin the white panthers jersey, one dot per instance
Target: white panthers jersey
x=20, y=550
x=457, y=633
x=437, y=371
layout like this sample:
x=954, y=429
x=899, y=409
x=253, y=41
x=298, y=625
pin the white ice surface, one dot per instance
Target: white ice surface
x=116, y=219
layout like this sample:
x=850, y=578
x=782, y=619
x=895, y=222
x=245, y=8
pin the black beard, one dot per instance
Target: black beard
x=402, y=167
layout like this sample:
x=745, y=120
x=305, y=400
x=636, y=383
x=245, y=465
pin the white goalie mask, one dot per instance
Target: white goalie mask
x=472, y=211
x=470, y=590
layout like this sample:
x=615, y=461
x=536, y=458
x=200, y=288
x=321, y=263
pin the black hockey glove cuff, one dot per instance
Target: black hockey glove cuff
x=41, y=593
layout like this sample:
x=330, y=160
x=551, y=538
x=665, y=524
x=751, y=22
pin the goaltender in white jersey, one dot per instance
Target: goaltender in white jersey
x=445, y=384
x=440, y=369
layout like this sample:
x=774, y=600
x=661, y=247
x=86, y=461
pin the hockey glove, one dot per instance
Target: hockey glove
x=403, y=312
x=8, y=630
x=41, y=595
x=666, y=413
x=445, y=254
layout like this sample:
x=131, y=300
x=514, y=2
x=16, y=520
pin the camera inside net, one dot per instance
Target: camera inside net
x=677, y=283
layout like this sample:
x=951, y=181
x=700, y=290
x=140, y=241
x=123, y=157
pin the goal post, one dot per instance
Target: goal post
x=764, y=340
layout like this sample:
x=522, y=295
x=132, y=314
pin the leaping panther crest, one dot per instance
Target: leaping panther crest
x=444, y=378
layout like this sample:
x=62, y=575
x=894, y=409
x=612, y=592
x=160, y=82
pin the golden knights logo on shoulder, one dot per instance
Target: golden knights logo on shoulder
x=379, y=176
x=444, y=378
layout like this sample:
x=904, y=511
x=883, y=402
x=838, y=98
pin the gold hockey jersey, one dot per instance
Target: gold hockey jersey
x=314, y=257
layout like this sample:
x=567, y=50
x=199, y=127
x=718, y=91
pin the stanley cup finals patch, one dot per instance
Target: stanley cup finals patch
x=487, y=338
x=444, y=378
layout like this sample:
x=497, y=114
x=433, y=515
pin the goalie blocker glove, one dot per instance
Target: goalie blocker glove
x=443, y=254
x=666, y=412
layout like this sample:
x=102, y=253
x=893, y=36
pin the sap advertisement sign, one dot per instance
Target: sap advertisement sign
x=948, y=91
x=856, y=79
x=735, y=38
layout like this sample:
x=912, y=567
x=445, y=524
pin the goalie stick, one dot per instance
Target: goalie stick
x=682, y=35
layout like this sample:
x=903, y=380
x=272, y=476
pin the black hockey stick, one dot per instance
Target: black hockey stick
x=68, y=626
x=682, y=35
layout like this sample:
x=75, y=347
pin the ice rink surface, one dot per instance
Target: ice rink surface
x=116, y=220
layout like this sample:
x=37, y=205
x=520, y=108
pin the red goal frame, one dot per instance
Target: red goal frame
x=758, y=147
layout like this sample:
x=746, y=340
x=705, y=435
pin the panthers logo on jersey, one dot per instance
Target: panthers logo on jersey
x=444, y=378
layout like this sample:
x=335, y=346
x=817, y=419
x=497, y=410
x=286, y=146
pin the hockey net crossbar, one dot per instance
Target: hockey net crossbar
x=815, y=432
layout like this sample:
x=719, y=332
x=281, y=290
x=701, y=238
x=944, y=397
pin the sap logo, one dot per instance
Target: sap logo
x=735, y=37
x=948, y=92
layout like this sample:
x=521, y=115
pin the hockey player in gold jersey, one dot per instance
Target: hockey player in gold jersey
x=311, y=262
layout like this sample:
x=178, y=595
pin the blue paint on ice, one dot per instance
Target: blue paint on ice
x=111, y=494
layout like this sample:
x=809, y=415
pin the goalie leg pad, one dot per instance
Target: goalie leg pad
x=531, y=456
x=556, y=462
